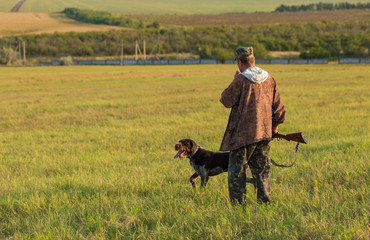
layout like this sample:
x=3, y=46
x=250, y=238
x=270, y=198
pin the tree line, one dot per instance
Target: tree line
x=102, y=17
x=313, y=40
x=322, y=6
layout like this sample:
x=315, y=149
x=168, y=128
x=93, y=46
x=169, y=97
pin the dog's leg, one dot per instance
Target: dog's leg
x=192, y=178
x=204, y=177
x=204, y=180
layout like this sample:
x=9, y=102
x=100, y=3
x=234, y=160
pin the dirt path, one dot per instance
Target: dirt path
x=17, y=6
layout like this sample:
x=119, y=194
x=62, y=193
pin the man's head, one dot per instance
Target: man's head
x=244, y=55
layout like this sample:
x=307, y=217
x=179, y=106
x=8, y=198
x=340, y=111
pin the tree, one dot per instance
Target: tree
x=316, y=52
x=154, y=25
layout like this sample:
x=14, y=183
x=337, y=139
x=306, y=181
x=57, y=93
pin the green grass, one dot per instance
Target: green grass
x=160, y=6
x=6, y=6
x=87, y=153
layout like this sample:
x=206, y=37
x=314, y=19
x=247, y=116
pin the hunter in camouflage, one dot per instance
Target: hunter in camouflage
x=255, y=156
x=256, y=112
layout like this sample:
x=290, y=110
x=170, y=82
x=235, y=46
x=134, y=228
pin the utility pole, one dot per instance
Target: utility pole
x=135, y=50
x=144, y=50
x=9, y=52
x=177, y=42
x=121, y=52
x=24, y=52
x=20, y=49
x=154, y=50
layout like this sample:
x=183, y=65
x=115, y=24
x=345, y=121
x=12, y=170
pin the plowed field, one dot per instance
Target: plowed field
x=36, y=23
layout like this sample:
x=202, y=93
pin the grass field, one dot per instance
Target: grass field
x=247, y=19
x=160, y=6
x=6, y=6
x=87, y=153
x=37, y=23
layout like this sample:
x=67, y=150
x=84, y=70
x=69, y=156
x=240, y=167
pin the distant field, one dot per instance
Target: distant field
x=87, y=153
x=6, y=6
x=36, y=23
x=158, y=6
x=243, y=19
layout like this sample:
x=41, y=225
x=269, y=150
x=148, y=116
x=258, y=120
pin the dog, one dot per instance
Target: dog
x=207, y=163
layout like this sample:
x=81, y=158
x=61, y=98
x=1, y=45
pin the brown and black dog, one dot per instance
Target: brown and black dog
x=205, y=163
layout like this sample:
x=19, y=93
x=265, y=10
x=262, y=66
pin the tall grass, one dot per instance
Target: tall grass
x=87, y=153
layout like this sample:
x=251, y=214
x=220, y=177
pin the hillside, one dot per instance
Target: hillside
x=160, y=6
x=36, y=23
x=247, y=19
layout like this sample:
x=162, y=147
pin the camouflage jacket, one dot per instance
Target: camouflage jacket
x=256, y=107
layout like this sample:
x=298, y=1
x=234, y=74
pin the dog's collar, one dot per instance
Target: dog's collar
x=194, y=152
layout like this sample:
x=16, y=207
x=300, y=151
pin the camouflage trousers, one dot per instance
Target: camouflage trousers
x=256, y=156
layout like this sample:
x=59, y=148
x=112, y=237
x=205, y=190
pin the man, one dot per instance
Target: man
x=256, y=112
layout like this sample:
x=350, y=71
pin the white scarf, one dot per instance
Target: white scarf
x=255, y=74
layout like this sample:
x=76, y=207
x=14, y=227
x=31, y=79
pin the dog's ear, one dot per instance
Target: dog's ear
x=193, y=146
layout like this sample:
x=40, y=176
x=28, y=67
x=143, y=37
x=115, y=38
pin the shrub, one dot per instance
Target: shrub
x=221, y=54
x=154, y=25
x=315, y=52
x=100, y=17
